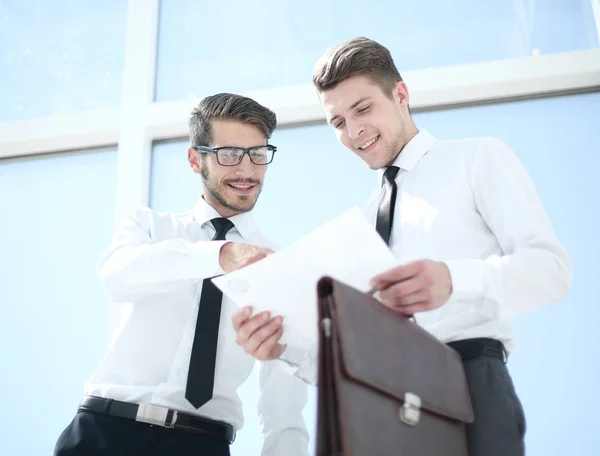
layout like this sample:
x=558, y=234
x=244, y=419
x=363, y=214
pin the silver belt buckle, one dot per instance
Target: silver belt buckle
x=153, y=414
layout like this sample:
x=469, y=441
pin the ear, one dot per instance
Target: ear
x=194, y=160
x=401, y=94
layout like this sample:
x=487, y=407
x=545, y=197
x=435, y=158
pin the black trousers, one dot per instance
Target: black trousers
x=499, y=426
x=92, y=434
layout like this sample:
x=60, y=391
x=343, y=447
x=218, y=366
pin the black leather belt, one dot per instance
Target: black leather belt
x=159, y=416
x=474, y=348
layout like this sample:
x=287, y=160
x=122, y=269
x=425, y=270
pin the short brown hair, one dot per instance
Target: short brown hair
x=358, y=56
x=228, y=106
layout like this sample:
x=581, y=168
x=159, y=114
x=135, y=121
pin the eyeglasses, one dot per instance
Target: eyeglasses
x=231, y=156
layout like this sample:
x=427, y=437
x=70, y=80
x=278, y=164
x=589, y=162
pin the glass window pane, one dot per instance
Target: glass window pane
x=276, y=43
x=59, y=57
x=57, y=219
x=557, y=140
x=313, y=178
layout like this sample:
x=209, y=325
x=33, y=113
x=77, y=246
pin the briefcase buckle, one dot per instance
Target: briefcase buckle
x=410, y=411
x=326, y=325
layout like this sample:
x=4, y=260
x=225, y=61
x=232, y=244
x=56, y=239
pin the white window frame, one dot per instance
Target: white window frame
x=140, y=121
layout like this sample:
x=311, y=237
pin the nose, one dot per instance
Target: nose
x=355, y=129
x=245, y=168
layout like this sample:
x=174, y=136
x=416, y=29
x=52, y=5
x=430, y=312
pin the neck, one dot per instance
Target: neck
x=411, y=132
x=223, y=211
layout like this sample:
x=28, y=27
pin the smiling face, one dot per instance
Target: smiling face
x=373, y=125
x=230, y=190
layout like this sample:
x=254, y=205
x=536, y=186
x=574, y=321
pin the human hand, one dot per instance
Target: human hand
x=259, y=335
x=236, y=255
x=414, y=287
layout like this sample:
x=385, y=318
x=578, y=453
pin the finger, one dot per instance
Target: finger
x=240, y=317
x=408, y=300
x=401, y=289
x=422, y=306
x=421, y=296
x=262, y=334
x=248, y=328
x=266, y=349
x=397, y=274
x=253, y=259
x=407, y=311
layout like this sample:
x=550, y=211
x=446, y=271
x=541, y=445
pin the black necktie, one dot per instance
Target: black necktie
x=385, y=213
x=201, y=374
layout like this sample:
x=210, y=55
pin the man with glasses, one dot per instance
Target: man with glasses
x=168, y=384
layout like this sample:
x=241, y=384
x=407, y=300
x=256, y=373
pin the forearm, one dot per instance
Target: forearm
x=504, y=286
x=282, y=401
x=288, y=442
x=133, y=271
x=137, y=265
x=531, y=267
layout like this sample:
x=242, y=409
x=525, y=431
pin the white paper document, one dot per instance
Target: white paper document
x=347, y=248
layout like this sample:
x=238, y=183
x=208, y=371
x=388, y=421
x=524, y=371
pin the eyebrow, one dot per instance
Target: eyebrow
x=354, y=105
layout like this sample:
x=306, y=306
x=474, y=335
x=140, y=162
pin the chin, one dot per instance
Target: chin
x=244, y=202
x=375, y=163
x=245, y=206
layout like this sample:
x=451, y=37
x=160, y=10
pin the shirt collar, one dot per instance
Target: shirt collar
x=410, y=154
x=244, y=222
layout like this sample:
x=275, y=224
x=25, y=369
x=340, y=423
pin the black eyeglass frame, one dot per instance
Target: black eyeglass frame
x=245, y=150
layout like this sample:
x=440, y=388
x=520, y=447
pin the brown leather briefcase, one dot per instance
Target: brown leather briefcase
x=386, y=386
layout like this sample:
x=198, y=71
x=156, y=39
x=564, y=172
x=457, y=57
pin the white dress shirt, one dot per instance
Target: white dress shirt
x=155, y=267
x=471, y=204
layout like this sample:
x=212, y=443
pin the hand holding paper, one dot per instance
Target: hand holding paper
x=347, y=248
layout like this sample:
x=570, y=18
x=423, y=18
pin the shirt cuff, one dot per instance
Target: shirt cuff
x=294, y=356
x=302, y=363
x=207, y=255
x=467, y=278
